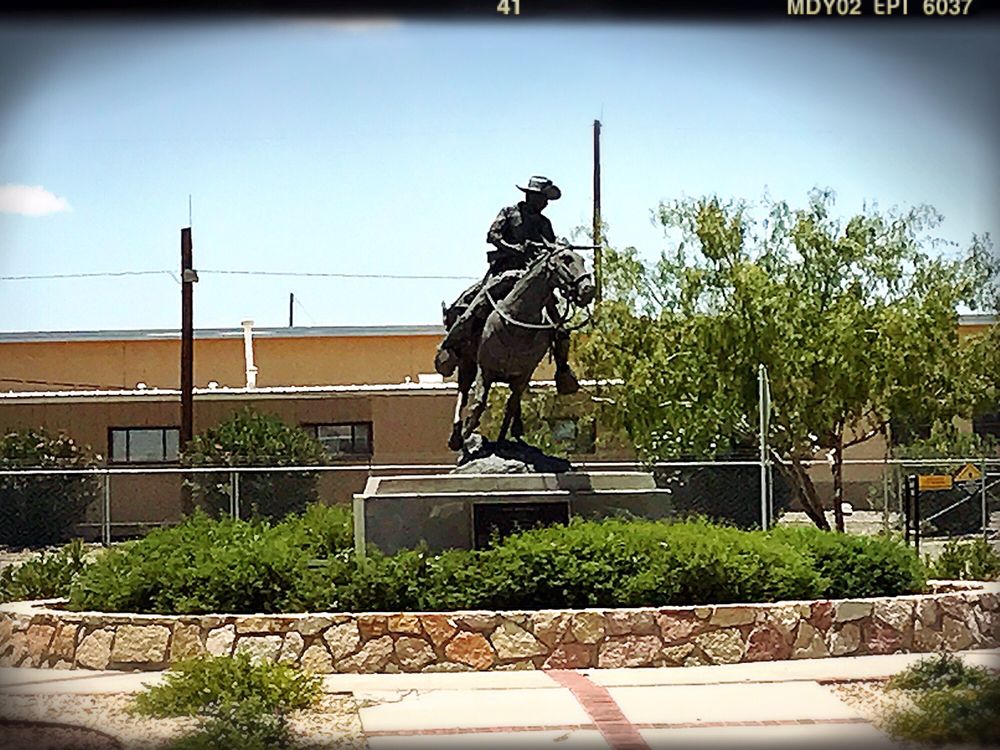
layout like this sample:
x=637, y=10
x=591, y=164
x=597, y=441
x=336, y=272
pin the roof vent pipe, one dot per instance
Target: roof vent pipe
x=248, y=353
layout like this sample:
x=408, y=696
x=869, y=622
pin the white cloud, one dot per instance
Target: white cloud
x=355, y=25
x=30, y=200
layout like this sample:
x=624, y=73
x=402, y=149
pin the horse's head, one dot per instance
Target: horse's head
x=571, y=276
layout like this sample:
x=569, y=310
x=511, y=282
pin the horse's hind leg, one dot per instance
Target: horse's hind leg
x=455, y=440
x=480, y=397
x=465, y=378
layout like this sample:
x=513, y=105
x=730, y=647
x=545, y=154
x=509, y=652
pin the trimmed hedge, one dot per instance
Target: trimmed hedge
x=307, y=563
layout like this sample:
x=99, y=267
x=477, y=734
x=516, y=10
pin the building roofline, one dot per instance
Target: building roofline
x=223, y=393
x=167, y=334
x=977, y=319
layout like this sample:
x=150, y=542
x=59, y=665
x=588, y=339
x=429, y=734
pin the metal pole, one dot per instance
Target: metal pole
x=986, y=514
x=291, y=315
x=916, y=514
x=232, y=494
x=762, y=399
x=597, y=211
x=885, y=498
x=187, y=339
x=236, y=493
x=106, y=512
x=906, y=508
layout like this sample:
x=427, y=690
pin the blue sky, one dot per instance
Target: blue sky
x=373, y=147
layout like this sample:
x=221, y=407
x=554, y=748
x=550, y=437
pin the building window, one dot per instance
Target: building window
x=144, y=445
x=348, y=439
x=987, y=424
x=907, y=431
x=567, y=434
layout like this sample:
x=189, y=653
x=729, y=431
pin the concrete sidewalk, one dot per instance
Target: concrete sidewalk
x=783, y=702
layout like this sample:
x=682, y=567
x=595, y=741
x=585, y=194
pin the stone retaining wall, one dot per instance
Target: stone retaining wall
x=955, y=616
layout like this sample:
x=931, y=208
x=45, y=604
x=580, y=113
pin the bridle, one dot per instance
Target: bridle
x=549, y=325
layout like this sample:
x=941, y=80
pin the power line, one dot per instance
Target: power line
x=86, y=275
x=413, y=277
x=419, y=277
x=55, y=382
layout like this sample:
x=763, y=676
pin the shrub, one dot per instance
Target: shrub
x=46, y=577
x=307, y=563
x=42, y=509
x=950, y=702
x=215, y=565
x=634, y=563
x=942, y=671
x=246, y=725
x=857, y=566
x=972, y=560
x=193, y=686
x=249, y=438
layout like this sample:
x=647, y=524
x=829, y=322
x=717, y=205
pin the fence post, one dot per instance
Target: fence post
x=916, y=515
x=764, y=396
x=885, y=497
x=106, y=511
x=232, y=494
x=906, y=508
x=986, y=512
x=236, y=494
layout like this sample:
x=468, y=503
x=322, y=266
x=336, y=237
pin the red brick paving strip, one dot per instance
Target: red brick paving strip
x=617, y=730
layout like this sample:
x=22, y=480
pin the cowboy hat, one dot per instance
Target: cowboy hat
x=542, y=185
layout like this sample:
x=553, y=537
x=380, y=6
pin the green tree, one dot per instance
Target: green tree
x=855, y=322
x=41, y=509
x=249, y=438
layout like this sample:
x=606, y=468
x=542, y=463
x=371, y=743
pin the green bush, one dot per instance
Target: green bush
x=950, y=702
x=246, y=725
x=972, y=560
x=634, y=563
x=249, y=438
x=45, y=577
x=216, y=565
x=307, y=563
x=939, y=672
x=855, y=566
x=42, y=509
x=192, y=686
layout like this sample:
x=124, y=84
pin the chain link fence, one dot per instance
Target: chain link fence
x=40, y=507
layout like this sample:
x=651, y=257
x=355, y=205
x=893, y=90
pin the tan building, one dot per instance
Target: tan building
x=368, y=393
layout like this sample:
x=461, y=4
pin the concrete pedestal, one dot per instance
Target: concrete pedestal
x=444, y=510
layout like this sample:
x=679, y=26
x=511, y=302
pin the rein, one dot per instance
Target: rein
x=545, y=314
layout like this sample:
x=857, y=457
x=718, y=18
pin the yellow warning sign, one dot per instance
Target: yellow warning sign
x=934, y=482
x=968, y=473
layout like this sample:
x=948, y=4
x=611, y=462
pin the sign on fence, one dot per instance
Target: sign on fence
x=927, y=482
x=968, y=473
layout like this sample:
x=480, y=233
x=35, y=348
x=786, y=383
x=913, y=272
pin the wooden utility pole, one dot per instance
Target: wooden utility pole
x=291, y=303
x=597, y=208
x=188, y=277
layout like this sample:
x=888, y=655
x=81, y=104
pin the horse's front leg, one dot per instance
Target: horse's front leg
x=479, y=398
x=517, y=423
x=511, y=412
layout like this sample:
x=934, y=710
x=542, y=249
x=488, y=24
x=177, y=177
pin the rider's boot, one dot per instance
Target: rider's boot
x=566, y=382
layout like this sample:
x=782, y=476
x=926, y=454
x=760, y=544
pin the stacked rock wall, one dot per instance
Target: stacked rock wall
x=955, y=617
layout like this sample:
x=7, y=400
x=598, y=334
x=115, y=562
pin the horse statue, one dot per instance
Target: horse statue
x=515, y=336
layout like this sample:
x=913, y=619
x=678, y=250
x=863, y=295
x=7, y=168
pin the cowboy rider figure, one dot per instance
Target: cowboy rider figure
x=518, y=235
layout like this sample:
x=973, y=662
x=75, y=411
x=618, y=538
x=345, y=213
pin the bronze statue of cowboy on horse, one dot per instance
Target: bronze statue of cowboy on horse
x=500, y=328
